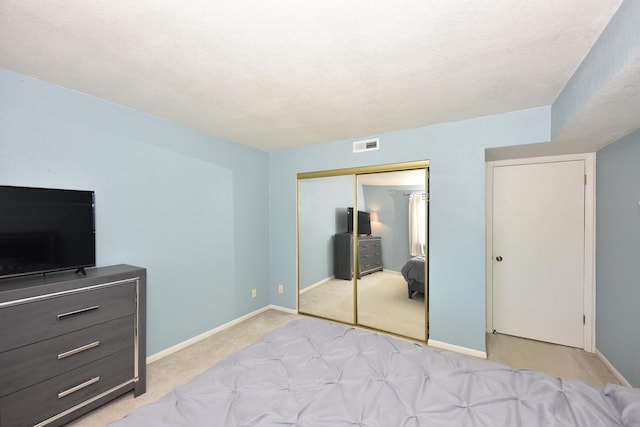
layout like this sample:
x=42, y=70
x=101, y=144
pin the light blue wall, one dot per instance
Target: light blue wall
x=393, y=209
x=323, y=213
x=197, y=211
x=191, y=208
x=618, y=255
x=612, y=54
x=457, y=222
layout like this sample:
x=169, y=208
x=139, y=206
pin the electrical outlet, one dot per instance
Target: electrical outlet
x=253, y=293
x=281, y=289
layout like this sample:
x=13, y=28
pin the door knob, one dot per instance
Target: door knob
x=499, y=258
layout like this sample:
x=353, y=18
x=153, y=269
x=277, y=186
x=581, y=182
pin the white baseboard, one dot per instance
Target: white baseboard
x=458, y=349
x=281, y=308
x=204, y=335
x=433, y=343
x=321, y=282
x=612, y=368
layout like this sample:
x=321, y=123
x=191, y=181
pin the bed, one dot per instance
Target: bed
x=312, y=372
x=413, y=273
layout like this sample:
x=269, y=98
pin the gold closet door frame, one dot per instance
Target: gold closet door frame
x=355, y=171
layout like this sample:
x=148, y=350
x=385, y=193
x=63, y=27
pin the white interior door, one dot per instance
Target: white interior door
x=538, y=251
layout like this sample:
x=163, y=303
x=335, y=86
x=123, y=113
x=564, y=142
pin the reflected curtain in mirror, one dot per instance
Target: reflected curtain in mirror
x=416, y=224
x=353, y=244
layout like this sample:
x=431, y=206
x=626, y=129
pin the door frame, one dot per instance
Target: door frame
x=589, y=295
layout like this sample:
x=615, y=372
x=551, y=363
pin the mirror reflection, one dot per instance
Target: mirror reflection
x=362, y=245
x=391, y=253
x=322, y=214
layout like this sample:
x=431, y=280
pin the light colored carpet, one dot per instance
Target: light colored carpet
x=178, y=368
x=383, y=304
x=332, y=299
x=552, y=359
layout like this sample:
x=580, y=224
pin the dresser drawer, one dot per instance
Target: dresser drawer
x=369, y=255
x=370, y=262
x=31, y=364
x=44, y=400
x=52, y=316
x=369, y=246
x=362, y=253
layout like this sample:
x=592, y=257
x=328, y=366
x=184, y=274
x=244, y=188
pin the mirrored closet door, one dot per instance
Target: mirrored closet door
x=322, y=214
x=362, y=246
x=391, y=286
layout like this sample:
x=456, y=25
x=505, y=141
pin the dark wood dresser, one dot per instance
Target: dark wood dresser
x=369, y=255
x=69, y=343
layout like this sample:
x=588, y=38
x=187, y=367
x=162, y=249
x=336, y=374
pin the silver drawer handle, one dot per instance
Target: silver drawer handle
x=82, y=310
x=78, y=387
x=78, y=350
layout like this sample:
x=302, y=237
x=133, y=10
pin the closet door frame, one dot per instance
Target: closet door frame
x=391, y=167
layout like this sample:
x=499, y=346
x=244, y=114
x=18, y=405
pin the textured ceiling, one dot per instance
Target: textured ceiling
x=410, y=177
x=278, y=74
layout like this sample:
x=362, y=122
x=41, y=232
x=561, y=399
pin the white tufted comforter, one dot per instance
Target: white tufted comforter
x=316, y=373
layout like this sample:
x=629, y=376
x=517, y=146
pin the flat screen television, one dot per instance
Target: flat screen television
x=364, y=222
x=44, y=230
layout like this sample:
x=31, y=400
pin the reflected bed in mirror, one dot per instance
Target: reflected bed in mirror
x=413, y=273
x=356, y=277
x=382, y=303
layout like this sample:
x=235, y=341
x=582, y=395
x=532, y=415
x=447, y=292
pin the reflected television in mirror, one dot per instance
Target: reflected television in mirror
x=364, y=222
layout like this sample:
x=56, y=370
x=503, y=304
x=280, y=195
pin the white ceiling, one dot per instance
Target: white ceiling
x=410, y=177
x=279, y=74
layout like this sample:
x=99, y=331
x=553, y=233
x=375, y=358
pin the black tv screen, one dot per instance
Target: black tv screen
x=364, y=222
x=44, y=230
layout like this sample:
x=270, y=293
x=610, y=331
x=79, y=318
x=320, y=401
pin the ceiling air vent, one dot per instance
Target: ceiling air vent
x=368, y=145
